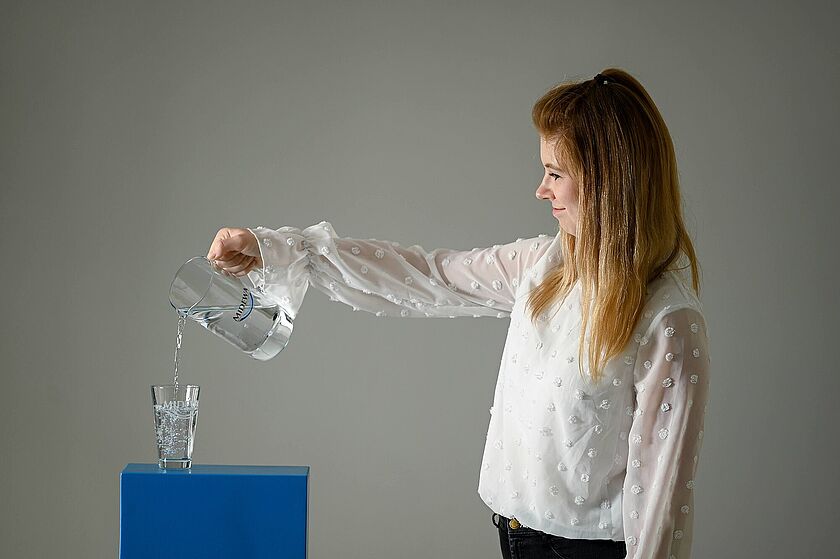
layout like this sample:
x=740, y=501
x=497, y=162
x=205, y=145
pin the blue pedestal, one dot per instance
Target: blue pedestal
x=210, y=511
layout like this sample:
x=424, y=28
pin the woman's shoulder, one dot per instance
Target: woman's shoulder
x=668, y=293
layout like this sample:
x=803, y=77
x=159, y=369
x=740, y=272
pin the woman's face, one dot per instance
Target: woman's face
x=558, y=188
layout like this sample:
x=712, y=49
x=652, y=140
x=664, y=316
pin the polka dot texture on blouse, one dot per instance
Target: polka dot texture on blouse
x=616, y=460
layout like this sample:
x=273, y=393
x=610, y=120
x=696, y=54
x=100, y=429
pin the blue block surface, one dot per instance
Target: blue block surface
x=214, y=510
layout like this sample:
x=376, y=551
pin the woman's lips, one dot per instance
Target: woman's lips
x=555, y=210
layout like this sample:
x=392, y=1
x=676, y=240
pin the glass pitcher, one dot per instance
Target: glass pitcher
x=227, y=307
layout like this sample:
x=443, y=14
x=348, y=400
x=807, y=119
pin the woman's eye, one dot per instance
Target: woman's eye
x=556, y=176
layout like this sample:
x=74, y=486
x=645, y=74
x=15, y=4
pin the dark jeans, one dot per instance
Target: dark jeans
x=526, y=543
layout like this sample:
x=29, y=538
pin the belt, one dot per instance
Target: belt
x=512, y=521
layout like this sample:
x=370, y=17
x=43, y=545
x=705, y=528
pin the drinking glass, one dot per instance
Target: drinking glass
x=225, y=305
x=176, y=413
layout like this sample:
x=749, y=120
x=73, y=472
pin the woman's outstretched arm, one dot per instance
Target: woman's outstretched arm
x=386, y=279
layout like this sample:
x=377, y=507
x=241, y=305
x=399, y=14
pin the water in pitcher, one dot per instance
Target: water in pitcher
x=255, y=330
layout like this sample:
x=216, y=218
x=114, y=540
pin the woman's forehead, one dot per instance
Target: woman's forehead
x=549, y=152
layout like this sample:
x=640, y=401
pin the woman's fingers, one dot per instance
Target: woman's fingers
x=244, y=267
x=232, y=261
x=234, y=251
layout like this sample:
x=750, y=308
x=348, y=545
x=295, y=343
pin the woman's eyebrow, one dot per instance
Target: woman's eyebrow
x=550, y=166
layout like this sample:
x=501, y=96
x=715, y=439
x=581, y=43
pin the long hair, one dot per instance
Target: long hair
x=617, y=147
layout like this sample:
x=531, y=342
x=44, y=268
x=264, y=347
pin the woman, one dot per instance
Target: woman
x=598, y=413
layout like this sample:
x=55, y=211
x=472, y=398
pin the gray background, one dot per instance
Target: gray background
x=131, y=132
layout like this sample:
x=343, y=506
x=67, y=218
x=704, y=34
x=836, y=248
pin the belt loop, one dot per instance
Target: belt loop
x=494, y=521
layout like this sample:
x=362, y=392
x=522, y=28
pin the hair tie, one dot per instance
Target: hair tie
x=601, y=78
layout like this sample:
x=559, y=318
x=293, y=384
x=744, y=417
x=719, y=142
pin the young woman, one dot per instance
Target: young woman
x=598, y=413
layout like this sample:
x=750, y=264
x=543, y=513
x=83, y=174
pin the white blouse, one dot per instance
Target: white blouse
x=563, y=456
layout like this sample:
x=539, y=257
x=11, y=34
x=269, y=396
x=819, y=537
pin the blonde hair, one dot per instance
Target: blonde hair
x=617, y=147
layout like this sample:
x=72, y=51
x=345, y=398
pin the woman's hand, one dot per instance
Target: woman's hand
x=235, y=250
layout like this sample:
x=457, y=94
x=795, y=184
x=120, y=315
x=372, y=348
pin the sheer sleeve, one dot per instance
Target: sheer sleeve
x=671, y=383
x=386, y=279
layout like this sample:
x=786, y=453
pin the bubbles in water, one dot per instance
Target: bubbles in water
x=175, y=427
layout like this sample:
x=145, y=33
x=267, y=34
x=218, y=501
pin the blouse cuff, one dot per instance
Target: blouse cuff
x=283, y=277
